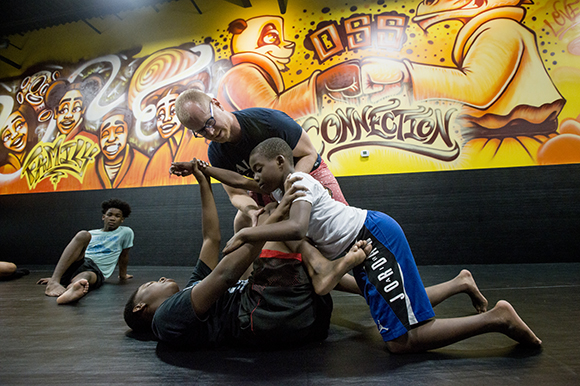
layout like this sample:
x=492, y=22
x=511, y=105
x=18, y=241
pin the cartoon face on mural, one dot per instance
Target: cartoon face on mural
x=262, y=35
x=17, y=138
x=167, y=122
x=70, y=100
x=14, y=134
x=113, y=135
x=70, y=110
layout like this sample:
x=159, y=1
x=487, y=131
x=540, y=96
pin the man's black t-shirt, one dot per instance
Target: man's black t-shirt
x=257, y=124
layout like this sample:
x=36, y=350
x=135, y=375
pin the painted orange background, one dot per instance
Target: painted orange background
x=380, y=87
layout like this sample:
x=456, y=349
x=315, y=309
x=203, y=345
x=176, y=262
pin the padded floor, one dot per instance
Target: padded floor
x=88, y=342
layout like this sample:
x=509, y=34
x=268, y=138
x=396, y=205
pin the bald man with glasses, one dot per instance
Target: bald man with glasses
x=233, y=135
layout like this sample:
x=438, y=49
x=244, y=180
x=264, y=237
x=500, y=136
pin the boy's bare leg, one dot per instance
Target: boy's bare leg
x=348, y=284
x=7, y=269
x=326, y=274
x=74, y=251
x=78, y=287
x=462, y=283
x=438, y=333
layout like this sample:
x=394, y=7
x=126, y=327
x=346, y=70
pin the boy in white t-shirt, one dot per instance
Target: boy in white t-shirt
x=91, y=256
x=389, y=279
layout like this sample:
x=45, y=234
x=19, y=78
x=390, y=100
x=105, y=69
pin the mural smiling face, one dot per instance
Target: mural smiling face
x=15, y=133
x=263, y=35
x=113, y=138
x=70, y=110
x=167, y=122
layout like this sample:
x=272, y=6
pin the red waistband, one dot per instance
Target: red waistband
x=269, y=253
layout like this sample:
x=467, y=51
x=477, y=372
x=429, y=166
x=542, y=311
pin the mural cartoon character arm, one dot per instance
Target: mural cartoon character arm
x=495, y=57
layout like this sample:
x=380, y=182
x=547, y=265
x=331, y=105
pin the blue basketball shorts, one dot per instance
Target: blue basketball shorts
x=389, y=278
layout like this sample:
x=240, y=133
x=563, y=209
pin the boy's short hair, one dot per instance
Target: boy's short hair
x=137, y=321
x=272, y=148
x=117, y=204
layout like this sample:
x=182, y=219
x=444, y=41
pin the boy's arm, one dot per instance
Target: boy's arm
x=232, y=266
x=210, y=227
x=224, y=176
x=294, y=228
x=123, y=263
x=242, y=201
x=235, y=185
x=229, y=177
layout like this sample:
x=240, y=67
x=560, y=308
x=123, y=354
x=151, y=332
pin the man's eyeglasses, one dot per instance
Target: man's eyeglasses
x=209, y=124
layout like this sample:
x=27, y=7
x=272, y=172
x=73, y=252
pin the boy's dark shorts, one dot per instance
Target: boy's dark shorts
x=279, y=306
x=83, y=265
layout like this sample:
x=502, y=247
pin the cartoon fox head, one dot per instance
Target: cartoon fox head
x=431, y=12
x=263, y=35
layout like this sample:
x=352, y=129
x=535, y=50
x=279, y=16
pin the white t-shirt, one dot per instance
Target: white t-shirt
x=333, y=225
x=106, y=247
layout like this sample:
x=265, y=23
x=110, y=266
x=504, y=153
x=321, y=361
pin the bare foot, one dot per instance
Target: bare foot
x=74, y=292
x=328, y=275
x=514, y=326
x=479, y=301
x=357, y=254
x=53, y=288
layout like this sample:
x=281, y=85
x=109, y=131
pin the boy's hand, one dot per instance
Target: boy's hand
x=290, y=180
x=202, y=165
x=292, y=193
x=235, y=242
x=197, y=172
x=255, y=215
x=181, y=169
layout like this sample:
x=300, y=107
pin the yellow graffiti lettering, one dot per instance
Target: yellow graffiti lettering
x=59, y=159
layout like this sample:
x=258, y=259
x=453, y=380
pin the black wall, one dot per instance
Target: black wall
x=511, y=215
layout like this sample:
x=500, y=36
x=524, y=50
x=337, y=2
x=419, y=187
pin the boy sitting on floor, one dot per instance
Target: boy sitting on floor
x=389, y=279
x=275, y=306
x=91, y=256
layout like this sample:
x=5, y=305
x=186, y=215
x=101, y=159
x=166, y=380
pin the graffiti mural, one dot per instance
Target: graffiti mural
x=420, y=86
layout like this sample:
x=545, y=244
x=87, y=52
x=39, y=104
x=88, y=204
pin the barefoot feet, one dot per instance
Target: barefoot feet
x=513, y=326
x=356, y=255
x=53, y=288
x=326, y=274
x=478, y=300
x=74, y=292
